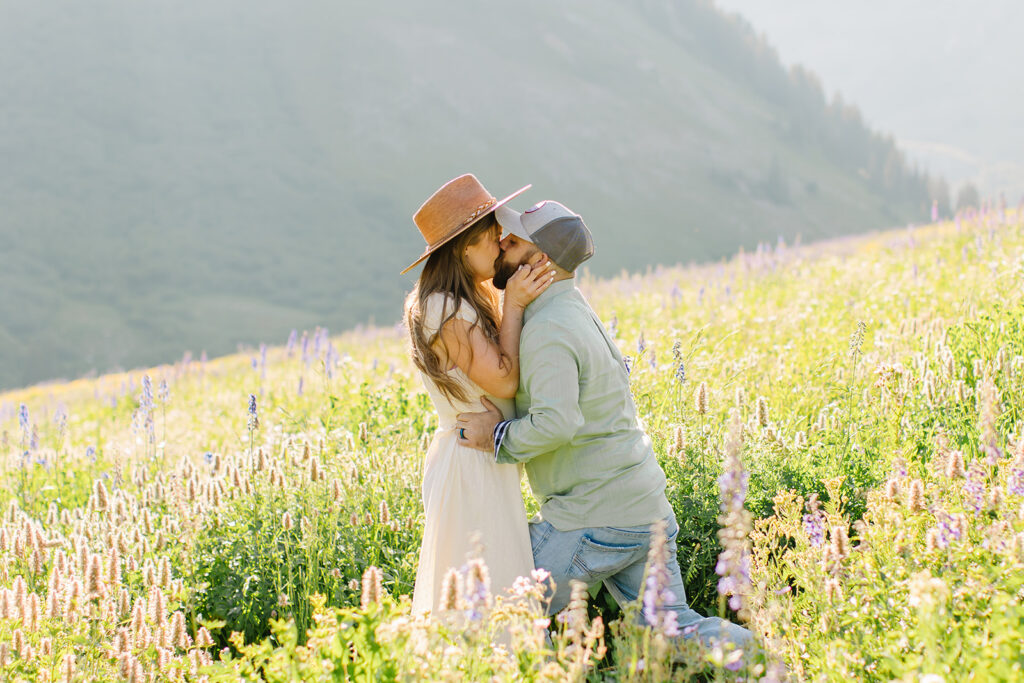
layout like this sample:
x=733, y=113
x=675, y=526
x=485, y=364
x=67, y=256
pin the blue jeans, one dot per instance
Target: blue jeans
x=617, y=557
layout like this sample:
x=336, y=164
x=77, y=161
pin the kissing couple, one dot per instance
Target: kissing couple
x=556, y=402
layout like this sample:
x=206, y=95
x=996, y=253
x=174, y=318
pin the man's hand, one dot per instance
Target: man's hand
x=476, y=430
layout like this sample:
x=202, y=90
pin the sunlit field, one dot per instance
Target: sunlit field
x=842, y=426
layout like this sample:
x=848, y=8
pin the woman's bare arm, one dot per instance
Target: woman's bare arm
x=495, y=367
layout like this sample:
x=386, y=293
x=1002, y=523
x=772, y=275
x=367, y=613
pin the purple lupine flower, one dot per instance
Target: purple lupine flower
x=974, y=487
x=300, y=385
x=290, y=348
x=164, y=392
x=656, y=592
x=814, y=525
x=60, y=420
x=680, y=373
x=254, y=363
x=676, y=294
x=628, y=362
x=1015, y=482
x=90, y=453
x=653, y=360
x=147, y=390
x=477, y=583
x=23, y=423
x=733, y=564
x=254, y=419
x=641, y=344
x=330, y=360
x=949, y=529
x=146, y=420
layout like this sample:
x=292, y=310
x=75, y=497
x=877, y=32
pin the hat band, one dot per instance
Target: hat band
x=479, y=210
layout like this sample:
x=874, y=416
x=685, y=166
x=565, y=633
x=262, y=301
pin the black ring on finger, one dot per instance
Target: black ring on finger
x=462, y=432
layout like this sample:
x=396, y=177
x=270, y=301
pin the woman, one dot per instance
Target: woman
x=465, y=341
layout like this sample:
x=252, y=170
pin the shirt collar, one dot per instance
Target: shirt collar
x=548, y=295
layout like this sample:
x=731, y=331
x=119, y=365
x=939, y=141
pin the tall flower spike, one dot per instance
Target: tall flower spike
x=680, y=373
x=733, y=564
x=450, y=591
x=989, y=410
x=955, y=465
x=372, y=588
x=814, y=522
x=576, y=611
x=203, y=638
x=762, y=411
x=915, y=501
x=477, y=588
x=840, y=543
x=102, y=497
x=700, y=399
x=32, y=618
x=656, y=593
x=254, y=419
x=178, y=629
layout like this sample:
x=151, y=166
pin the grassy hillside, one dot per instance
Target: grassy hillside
x=871, y=389
x=934, y=76
x=203, y=175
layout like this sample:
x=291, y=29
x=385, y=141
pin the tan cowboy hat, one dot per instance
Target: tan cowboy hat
x=452, y=210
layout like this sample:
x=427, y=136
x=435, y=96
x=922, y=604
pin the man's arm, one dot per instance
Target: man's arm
x=550, y=376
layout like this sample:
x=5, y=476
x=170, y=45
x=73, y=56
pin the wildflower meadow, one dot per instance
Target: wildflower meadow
x=841, y=424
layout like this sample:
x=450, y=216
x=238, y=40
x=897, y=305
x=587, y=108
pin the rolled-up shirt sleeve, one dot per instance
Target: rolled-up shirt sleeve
x=549, y=372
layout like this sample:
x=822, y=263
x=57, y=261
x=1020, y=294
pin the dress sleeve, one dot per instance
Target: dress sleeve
x=438, y=307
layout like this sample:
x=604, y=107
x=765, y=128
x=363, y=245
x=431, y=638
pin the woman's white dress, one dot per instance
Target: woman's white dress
x=466, y=494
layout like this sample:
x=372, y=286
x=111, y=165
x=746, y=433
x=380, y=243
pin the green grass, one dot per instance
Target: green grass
x=940, y=368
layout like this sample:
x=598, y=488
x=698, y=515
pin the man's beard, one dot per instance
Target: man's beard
x=503, y=270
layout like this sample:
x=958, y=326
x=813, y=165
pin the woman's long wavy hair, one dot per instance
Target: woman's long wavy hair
x=448, y=272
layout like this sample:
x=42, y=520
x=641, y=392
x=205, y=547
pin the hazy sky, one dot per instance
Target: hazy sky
x=942, y=76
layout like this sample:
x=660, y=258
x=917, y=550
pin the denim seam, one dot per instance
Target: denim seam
x=543, y=539
x=620, y=530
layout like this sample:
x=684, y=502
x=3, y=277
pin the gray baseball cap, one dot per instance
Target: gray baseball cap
x=557, y=231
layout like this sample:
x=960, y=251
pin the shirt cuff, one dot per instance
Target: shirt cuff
x=498, y=435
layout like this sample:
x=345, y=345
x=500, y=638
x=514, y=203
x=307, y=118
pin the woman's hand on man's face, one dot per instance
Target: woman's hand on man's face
x=529, y=281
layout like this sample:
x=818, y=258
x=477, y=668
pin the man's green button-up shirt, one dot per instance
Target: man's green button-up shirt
x=588, y=461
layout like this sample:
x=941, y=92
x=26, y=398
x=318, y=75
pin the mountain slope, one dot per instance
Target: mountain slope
x=937, y=75
x=217, y=173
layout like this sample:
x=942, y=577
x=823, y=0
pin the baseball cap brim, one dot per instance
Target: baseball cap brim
x=511, y=221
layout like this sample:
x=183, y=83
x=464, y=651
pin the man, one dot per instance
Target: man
x=590, y=465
